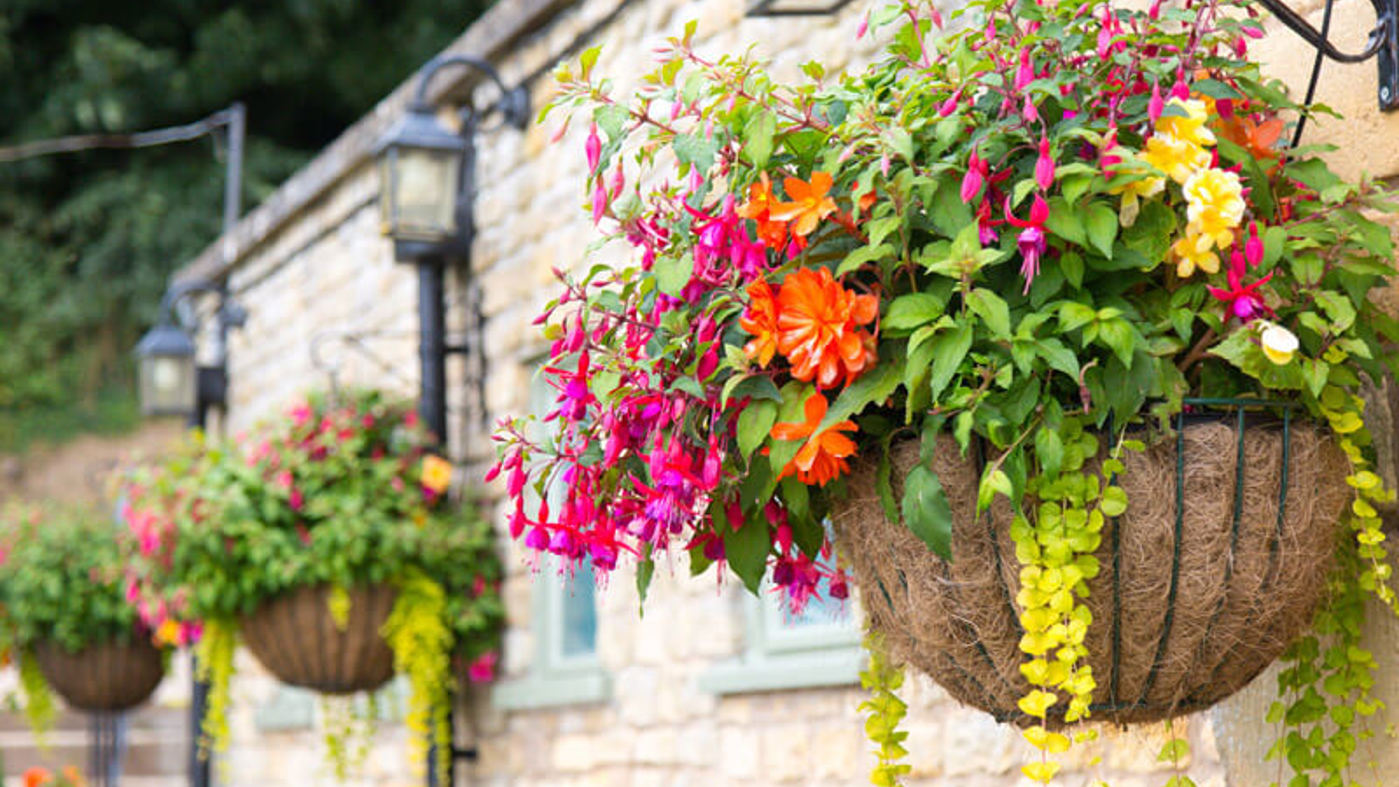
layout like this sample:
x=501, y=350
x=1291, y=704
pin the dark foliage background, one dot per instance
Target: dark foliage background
x=88, y=239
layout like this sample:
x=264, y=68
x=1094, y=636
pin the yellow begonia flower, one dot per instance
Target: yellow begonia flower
x=168, y=633
x=1279, y=344
x=1178, y=158
x=1190, y=127
x=1214, y=205
x=437, y=473
x=1194, y=251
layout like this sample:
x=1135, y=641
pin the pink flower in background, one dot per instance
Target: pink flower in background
x=483, y=668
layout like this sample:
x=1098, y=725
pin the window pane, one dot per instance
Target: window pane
x=579, y=613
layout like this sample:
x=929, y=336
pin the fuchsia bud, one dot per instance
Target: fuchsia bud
x=1029, y=112
x=1180, y=89
x=864, y=27
x=619, y=181
x=1026, y=73
x=950, y=105
x=1253, y=249
x=1044, y=166
x=593, y=147
x=1154, y=13
x=1248, y=30
x=1156, y=105
x=975, y=177
x=599, y=201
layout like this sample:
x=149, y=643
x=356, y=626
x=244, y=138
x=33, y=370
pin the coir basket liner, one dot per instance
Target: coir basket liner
x=296, y=638
x=104, y=676
x=1192, y=602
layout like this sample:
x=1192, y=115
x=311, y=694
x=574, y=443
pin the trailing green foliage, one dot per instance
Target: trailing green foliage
x=882, y=680
x=422, y=650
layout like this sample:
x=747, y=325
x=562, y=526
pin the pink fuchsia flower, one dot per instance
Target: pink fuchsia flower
x=1156, y=105
x=1242, y=301
x=977, y=171
x=1044, y=166
x=1253, y=248
x=483, y=668
x=1032, y=239
x=593, y=148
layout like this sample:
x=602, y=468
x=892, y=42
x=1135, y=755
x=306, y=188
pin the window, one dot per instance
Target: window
x=565, y=669
x=819, y=647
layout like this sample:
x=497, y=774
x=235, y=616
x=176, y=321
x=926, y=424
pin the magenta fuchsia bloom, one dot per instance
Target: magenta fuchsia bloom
x=1242, y=301
x=1044, y=166
x=1032, y=239
x=977, y=171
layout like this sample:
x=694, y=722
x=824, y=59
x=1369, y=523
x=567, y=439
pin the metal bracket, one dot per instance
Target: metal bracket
x=1382, y=44
x=770, y=8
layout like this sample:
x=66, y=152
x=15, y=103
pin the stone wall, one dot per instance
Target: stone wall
x=325, y=297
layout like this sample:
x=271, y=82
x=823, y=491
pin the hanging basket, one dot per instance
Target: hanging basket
x=1218, y=564
x=297, y=640
x=107, y=676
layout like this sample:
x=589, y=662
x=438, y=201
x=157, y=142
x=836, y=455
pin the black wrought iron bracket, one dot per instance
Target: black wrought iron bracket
x=770, y=8
x=1382, y=44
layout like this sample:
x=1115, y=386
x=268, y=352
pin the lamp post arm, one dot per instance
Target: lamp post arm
x=1384, y=29
x=513, y=103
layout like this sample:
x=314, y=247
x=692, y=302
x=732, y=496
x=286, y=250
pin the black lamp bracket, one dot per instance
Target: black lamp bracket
x=513, y=104
x=1383, y=44
x=230, y=313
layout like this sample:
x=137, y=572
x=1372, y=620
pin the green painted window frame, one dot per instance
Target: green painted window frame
x=777, y=657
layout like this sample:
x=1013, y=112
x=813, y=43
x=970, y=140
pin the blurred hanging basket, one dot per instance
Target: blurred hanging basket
x=297, y=639
x=102, y=677
x=1217, y=565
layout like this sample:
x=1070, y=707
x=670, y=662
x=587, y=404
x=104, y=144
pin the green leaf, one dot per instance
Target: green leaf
x=992, y=310
x=862, y=255
x=948, y=351
x=754, y=424
x=746, y=549
x=879, y=229
x=755, y=386
x=1049, y=449
x=1071, y=263
x=645, y=571
x=696, y=149
x=909, y=312
x=873, y=386
x=1118, y=335
x=926, y=511
x=672, y=273
x=1100, y=222
x=1064, y=221
x=758, y=138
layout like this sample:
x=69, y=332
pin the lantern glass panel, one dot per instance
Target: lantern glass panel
x=168, y=385
x=423, y=193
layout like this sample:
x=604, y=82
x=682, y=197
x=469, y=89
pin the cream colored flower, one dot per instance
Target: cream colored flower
x=1135, y=191
x=1178, y=158
x=1279, y=344
x=1214, y=205
x=1190, y=127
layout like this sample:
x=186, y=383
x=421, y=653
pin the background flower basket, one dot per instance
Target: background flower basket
x=65, y=613
x=1191, y=604
x=104, y=676
x=296, y=638
x=327, y=542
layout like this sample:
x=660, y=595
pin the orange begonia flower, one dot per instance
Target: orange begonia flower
x=437, y=473
x=822, y=458
x=760, y=202
x=760, y=320
x=72, y=774
x=36, y=776
x=818, y=328
x=167, y=633
x=810, y=203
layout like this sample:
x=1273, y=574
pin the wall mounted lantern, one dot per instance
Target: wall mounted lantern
x=795, y=7
x=427, y=204
x=171, y=383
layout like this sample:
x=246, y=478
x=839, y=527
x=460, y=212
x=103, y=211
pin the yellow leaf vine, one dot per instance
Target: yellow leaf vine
x=882, y=680
x=349, y=725
x=214, y=665
x=421, y=641
x=39, y=707
x=1055, y=551
x=338, y=604
x=1324, y=689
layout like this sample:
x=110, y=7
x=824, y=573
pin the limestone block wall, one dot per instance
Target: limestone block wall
x=312, y=270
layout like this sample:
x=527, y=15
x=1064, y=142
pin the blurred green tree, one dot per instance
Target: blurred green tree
x=87, y=240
